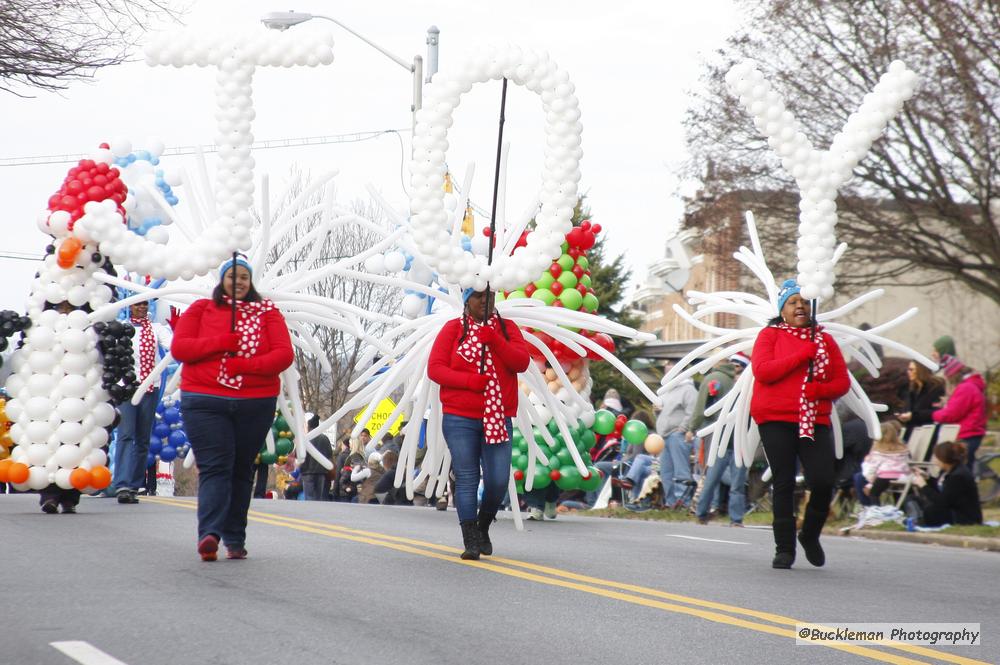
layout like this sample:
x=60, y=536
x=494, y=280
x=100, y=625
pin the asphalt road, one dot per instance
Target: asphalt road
x=334, y=583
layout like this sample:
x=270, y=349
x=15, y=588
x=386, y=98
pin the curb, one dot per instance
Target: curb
x=967, y=542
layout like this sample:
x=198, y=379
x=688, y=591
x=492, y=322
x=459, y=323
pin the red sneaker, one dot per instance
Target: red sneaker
x=208, y=547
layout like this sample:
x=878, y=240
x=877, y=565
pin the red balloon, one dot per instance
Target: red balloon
x=86, y=164
x=585, y=225
x=100, y=180
x=557, y=303
x=578, y=271
x=555, y=270
x=596, y=228
x=605, y=341
x=74, y=187
x=530, y=289
x=554, y=474
x=104, y=146
x=486, y=232
x=588, y=240
x=69, y=203
x=556, y=288
x=102, y=168
x=575, y=237
x=519, y=475
x=95, y=193
x=574, y=253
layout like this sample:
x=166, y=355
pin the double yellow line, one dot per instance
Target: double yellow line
x=730, y=615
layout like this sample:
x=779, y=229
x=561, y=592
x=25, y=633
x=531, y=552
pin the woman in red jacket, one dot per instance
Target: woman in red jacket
x=792, y=412
x=478, y=407
x=229, y=385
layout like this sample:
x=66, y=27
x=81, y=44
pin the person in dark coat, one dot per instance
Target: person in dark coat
x=313, y=474
x=952, y=497
x=920, y=398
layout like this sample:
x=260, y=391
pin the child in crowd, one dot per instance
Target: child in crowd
x=888, y=460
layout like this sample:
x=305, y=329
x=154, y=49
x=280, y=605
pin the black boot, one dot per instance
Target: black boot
x=812, y=527
x=784, y=542
x=484, y=522
x=470, y=536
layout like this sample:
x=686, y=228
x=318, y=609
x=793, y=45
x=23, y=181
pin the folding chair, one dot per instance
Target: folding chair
x=919, y=446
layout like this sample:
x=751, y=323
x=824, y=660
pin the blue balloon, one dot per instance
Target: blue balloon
x=177, y=438
x=155, y=446
x=161, y=430
x=172, y=415
x=159, y=405
x=168, y=454
x=149, y=460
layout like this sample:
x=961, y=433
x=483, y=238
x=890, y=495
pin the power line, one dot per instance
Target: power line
x=354, y=137
x=21, y=256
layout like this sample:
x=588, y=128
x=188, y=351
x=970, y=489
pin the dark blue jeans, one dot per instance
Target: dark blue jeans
x=315, y=486
x=226, y=435
x=469, y=453
x=132, y=442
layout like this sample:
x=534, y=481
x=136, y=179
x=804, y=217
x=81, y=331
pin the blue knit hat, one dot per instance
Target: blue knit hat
x=240, y=261
x=466, y=294
x=788, y=289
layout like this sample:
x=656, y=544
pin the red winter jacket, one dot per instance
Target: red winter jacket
x=967, y=407
x=200, y=342
x=456, y=375
x=780, y=363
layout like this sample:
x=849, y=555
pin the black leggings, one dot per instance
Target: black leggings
x=782, y=446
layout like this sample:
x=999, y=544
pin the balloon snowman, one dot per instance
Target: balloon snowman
x=818, y=175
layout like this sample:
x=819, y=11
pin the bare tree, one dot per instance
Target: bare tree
x=321, y=391
x=48, y=44
x=924, y=205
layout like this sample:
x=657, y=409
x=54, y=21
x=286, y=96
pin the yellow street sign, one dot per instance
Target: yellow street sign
x=379, y=416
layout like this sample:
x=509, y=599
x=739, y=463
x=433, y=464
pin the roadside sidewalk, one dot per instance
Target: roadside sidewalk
x=944, y=539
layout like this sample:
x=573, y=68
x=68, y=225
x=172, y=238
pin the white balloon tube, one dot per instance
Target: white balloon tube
x=838, y=435
x=153, y=375
x=515, y=506
x=459, y=215
x=189, y=459
x=265, y=225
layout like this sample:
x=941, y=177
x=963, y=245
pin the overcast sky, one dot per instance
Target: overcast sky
x=634, y=64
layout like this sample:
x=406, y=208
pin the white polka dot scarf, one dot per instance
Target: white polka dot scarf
x=808, y=408
x=248, y=316
x=147, y=349
x=494, y=426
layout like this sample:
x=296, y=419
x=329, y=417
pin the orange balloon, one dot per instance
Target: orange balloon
x=79, y=478
x=68, y=252
x=100, y=477
x=5, y=469
x=17, y=473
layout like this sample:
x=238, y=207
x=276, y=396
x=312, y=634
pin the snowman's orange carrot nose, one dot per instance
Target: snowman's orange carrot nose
x=68, y=251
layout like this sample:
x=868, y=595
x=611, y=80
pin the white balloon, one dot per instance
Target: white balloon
x=38, y=478
x=62, y=479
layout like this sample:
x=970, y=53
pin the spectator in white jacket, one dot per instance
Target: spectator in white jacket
x=671, y=424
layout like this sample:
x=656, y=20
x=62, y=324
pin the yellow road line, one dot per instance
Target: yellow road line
x=586, y=584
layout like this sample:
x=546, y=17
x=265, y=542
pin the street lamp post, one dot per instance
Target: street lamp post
x=285, y=20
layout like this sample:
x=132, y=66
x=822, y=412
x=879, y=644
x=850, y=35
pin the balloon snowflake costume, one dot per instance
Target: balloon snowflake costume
x=818, y=176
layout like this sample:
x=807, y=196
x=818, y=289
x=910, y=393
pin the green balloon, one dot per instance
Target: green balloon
x=571, y=299
x=519, y=486
x=281, y=424
x=500, y=297
x=604, y=422
x=586, y=281
x=514, y=295
x=593, y=482
x=545, y=281
x=565, y=246
x=583, y=261
x=569, y=478
x=519, y=461
x=568, y=280
x=564, y=457
x=282, y=446
x=590, y=303
x=553, y=427
x=542, y=478
x=566, y=262
x=268, y=458
x=588, y=440
x=635, y=432
x=544, y=295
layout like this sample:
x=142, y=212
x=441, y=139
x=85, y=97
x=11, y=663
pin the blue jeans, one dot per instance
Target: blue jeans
x=675, y=464
x=537, y=498
x=605, y=468
x=226, y=435
x=132, y=442
x=737, y=486
x=641, y=466
x=469, y=454
x=315, y=486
